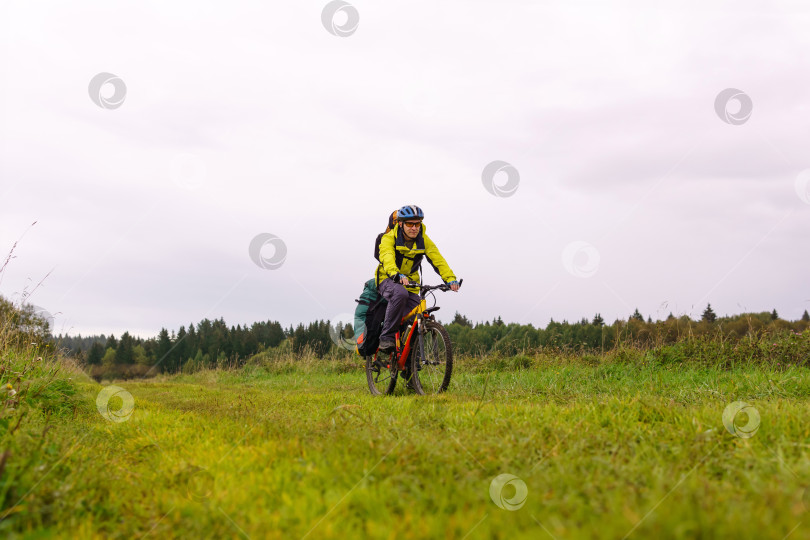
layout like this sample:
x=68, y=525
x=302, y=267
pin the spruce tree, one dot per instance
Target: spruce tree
x=598, y=320
x=95, y=354
x=163, y=349
x=123, y=354
x=637, y=316
x=774, y=315
x=806, y=316
x=709, y=315
x=181, y=349
x=461, y=320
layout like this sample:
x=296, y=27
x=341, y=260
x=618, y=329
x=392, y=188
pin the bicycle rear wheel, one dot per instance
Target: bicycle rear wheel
x=432, y=364
x=381, y=374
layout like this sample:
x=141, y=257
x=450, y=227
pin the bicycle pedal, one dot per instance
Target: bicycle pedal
x=377, y=365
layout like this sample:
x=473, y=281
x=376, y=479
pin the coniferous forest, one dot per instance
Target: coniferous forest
x=212, y=343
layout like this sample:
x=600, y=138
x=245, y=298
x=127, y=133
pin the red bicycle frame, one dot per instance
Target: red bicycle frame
x=406, y=349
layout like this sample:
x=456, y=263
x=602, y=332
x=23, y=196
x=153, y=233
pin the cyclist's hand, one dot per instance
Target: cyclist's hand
x=404, y=280
x=453, y=286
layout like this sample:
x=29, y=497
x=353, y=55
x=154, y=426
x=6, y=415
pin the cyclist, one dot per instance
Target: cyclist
x=401, y=252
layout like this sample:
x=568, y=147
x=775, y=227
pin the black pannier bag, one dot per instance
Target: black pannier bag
x=369, y=317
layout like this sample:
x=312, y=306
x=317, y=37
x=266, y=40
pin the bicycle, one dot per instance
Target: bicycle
x=424, y=357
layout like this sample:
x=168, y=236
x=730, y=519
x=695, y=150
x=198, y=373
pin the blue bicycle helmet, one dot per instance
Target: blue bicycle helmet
x=410, y=212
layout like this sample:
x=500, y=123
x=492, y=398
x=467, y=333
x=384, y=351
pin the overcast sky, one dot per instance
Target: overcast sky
x=636, y=185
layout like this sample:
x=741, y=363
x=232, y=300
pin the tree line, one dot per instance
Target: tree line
x=206, y=344
x=212, y=343
x=595, y=335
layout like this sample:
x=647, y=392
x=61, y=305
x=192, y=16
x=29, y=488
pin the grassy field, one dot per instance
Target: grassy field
x=303, y=451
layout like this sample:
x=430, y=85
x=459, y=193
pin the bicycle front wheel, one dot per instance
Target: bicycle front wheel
x=381, y=374
x=433, y=360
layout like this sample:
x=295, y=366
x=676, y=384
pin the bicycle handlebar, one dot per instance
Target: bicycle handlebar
x=441, y=287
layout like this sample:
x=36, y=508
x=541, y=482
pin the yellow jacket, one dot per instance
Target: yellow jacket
x=398, y=258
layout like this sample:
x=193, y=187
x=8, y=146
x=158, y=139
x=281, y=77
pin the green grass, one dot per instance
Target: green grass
x=606, y=450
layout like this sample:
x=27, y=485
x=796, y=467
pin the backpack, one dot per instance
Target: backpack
x=392, y=220
x=369, y=317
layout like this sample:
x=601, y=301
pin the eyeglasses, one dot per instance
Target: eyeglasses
x=412, y=223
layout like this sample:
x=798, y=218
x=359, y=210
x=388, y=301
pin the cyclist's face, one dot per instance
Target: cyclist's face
x=411, y=228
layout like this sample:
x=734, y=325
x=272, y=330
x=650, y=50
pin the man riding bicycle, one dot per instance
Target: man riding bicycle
x=401, y=252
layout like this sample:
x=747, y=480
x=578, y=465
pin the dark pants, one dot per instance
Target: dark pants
x=400, y=302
